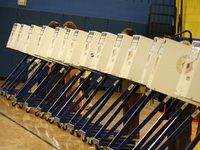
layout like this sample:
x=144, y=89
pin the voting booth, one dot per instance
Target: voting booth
x=44, y=41
x=21, y=37
x=168, y=66
x=76, y=45
x=150, y=60
x=32, y=39
x=89, y=48
x=118, y=54
x=188, y=84
x=135, y=58
x=163, y=65
x=103, y=50
x=62, y=52
x=56, y=43
x=13, y=35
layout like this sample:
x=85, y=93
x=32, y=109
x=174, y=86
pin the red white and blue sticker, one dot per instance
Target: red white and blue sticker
x=91, y=54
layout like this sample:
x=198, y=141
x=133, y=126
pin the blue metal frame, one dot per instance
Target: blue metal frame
x=11, y=77
x=34, y=78
x=21, y=75
x=142, y=124
x=62, y=99
x=194, y=142
x=126, y=95
x=156, y=124
x=46, y=103
x=179, y=130
x=101, y=103
x=97, y=84
x=134, y=111
x=154, y=142
x=64, y=112
x=35, y=98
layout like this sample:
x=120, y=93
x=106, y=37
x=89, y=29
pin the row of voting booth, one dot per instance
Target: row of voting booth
x=162, y=65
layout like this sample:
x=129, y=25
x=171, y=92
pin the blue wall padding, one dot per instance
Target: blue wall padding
x=96, y=24
x=47, y=17
x=28, y=17
x=6, y=55
x=78, y=20
x=116, y=26
x=131, y=10
x=140, y=28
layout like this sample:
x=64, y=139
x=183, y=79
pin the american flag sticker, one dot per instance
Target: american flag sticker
x=27, y=38
x=92, y=55
x=18, y=37
x=39, y=40
x=114, y=52
x=189, y=67
x=72, y=45
x=53, y=41
x=63, y=43
x=148, y=59
x=12, y=35
x=99, y=49
x=130, y=54
x=155, y=65
x=86, y=46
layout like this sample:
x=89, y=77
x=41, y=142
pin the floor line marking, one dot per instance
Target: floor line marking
x=30, y=131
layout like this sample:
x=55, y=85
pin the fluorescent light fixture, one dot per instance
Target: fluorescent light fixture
x=21, y=2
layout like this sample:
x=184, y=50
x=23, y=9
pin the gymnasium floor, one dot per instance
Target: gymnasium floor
x=20, y=130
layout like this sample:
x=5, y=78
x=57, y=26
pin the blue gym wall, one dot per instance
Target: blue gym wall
x=104, y=15
x=132, y=10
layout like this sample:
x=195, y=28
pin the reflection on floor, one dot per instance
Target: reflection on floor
x=20, y=130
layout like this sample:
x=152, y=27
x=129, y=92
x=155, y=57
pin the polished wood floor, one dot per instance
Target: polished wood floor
x=20, y=130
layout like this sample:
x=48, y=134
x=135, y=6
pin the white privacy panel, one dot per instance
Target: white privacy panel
x=103, y=50
x=32, y=40
x=118, y=54
x=76, y=46
x=136, y=58
x=56, y=43
x=150, y=60
x=168, y=66
x=189, y=82
x=46, y=34
x=13, y=35
x=89, y=48
x=65, y=45
x=21, y=38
